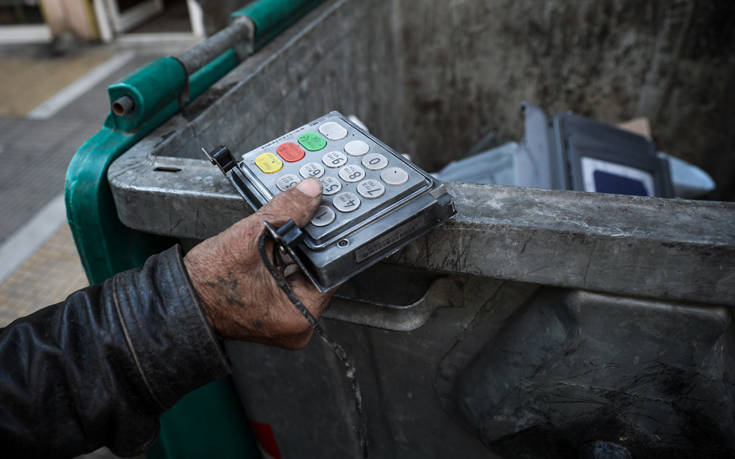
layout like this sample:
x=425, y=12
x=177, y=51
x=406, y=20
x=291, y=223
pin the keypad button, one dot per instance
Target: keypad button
x=312, y=141
x=323, y=216
x=370, y=189
x=394, y=176
x=311, y=170
x=330, y=185
x=346, y=202
x=287, y=181
x=334, y=159
x=356, y=147
x=374, y=161
x=333, y=131
x=351, y=173
x=290, y=152
x=268, y=162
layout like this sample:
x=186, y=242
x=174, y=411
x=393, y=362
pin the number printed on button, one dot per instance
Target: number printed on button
x=374, y=161
x=356, y=148
x=330, y=185
x=287, y=181
x=346, y=202
x=394, y=176
x=370, y=189
x=334, y=159
x=311, y=170
x=351, y=173
x=323, y=216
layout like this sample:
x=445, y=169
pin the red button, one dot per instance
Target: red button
x=290, y=152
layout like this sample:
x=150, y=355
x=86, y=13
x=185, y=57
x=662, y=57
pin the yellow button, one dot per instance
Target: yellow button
x=268, y=163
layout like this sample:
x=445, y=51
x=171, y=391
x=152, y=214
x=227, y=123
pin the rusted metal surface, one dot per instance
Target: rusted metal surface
x=489, y=354
x=660, y=248
x=672, y=249
x=239, y=35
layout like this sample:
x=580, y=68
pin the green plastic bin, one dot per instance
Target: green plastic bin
x=210, y=421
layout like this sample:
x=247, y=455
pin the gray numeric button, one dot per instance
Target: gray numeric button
x=330, y=185
x=311, y=170
x=334, y=159
x=346, y=202
x=323, y=216
x=356, y=148
x=370, y=189
x=394, y=176
x=333, y=131
x=287, y=181
x=351, y=173
x=374, y=161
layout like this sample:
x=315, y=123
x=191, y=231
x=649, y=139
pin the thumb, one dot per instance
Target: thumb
x=298, y=203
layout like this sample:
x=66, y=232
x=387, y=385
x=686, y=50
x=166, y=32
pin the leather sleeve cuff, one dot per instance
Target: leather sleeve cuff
x=171, y=340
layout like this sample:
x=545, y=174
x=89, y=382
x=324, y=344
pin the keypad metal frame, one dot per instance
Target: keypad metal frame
x=333, y=253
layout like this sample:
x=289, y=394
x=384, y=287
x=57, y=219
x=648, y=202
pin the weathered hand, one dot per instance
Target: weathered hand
x=238, y=294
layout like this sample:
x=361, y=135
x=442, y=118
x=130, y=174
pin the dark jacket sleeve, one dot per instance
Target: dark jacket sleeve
x=100, y=368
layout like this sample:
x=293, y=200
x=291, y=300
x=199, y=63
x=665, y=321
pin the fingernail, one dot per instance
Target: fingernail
x=310, y=187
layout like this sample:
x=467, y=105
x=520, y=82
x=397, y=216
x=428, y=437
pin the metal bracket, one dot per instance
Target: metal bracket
x=287, y=235
x=222, y=158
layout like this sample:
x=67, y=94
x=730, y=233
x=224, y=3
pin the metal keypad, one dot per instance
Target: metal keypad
x=360, y=176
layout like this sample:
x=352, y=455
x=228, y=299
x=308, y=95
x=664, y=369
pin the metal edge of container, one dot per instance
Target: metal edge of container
x=647, y=247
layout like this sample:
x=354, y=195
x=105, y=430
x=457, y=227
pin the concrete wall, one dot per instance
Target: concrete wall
x=466, y=65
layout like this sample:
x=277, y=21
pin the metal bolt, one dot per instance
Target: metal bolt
x=123, y=106
x=343, y=243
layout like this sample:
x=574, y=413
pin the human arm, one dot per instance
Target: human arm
x=100, y=368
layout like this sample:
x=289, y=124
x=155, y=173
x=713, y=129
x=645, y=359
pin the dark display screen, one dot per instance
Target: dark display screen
x=606, y=182
x=603, y=176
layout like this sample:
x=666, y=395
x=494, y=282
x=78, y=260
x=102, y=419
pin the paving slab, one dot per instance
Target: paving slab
x=27, y=81
x=35, y=153
x=46, y=278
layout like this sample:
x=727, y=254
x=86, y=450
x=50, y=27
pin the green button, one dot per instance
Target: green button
x=312, y=141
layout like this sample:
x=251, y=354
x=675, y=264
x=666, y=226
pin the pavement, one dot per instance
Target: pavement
x=50, y=104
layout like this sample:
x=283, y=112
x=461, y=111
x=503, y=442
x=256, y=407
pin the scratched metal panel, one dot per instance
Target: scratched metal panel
x=332, y=59
x=493, y=357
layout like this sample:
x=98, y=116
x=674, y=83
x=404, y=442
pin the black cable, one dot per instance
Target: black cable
x=351, y=372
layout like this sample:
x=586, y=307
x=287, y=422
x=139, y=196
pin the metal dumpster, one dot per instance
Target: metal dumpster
x=536, y=324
